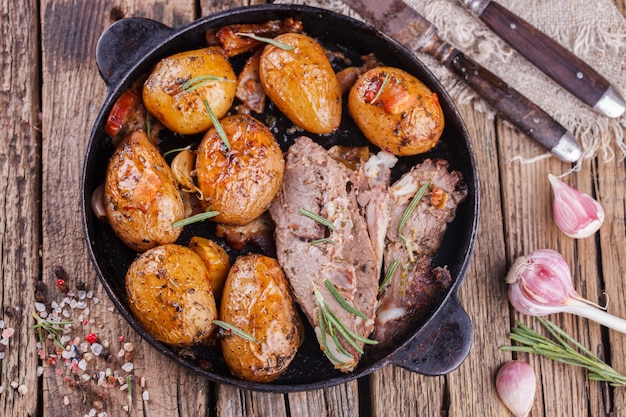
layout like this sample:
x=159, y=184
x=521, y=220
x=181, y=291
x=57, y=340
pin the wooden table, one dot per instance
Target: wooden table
x=50, y=95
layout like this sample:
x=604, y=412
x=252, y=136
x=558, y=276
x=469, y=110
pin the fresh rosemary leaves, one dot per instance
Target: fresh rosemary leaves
x=405, y=217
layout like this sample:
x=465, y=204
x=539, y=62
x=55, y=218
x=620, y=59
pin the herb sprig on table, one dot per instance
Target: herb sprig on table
x=563, y=348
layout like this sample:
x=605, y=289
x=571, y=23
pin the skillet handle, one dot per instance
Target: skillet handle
x=442, y=345
x=125, y=43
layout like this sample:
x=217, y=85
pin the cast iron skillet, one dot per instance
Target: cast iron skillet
x=130, y=47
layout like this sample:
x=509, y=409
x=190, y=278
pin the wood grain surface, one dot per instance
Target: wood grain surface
x=50, y=95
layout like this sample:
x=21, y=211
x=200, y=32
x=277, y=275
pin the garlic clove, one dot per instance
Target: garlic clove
x=576, y=214
x=516, y=385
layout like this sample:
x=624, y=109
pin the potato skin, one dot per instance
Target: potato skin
x=302, y=84
x=242, y=182
x=141, y=196
x=216, y=260
x=409, y=122
x=185, y=112
x=170, y=296
x=257, y=300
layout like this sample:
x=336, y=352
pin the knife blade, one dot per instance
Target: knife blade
x=565, y=68
x=408, y=27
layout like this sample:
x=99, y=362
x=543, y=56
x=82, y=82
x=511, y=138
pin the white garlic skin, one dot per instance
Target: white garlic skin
x=516, y=385
x=576, y=214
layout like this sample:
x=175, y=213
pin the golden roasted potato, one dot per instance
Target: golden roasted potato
x=239, y=182
x=169, y=294
x=257, y=300
x=141, y=196
x=396, y=111
x=216, y=260
x=301, y=83
x=184, y=111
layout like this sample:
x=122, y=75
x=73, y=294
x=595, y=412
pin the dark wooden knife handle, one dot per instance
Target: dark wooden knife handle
x=554, y=60
x=507, y=102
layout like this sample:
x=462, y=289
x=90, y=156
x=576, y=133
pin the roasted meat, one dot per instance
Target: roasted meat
x=413, y=238
x=318, y=257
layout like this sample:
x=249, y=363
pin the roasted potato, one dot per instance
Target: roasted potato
x=170, y=296
x=257, y=300
x=302, y=83
x=396, y=111
x=216, y=260
x=184, y=110
x=239, y=182
x=141, y=196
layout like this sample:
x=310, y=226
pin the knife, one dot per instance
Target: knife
x=408, y=27
x=555, y=61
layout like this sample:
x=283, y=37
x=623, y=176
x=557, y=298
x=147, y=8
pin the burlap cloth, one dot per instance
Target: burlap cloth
x=595, y=32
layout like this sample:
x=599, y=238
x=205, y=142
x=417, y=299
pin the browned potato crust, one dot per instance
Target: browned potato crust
x=396, y=111
x=302, y=83
x=141, y=196
x=257, y=300
x=239, y=183
x=170, y=296
x=185, y=112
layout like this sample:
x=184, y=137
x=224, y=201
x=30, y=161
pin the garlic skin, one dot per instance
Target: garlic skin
x=540, y=283
x=576, y=214
x=516, y=385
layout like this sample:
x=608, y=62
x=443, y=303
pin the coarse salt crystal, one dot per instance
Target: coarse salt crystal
x=96, y=300
x=39, y=370
x=2, y=355
x=73, y=304
x=65, y=313
x=22, y=389
x=66, y=401
x=123, y=387
x=102, y=414
x=40, y=306
x=82, y=294
x=81, y=305
x=64, y=339
x=43, y=314
x=145, y=395
x=127, y=367
x=89, y=294
x=4, y=341
x=82, y=364
x=92, y=412
x=1, y=389
x=120, y=353
x=54, y=304
x=8, y=332
x=1, y=324
x=14, y=384
x=96, y=349
x=86, y=377
x=111, y=309
x=84, y=346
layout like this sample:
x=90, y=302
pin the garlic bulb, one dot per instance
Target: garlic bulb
x=541, y=283
x=577, y=214
x=516, y=385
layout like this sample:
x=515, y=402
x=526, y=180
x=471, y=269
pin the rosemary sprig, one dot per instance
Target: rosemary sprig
x=271, y=41
x=380, y=90
x=323, y=240
x=201, y=80
x=200, y=217
x=172, y=151
x=563, y=348
x=53, y=328
x=405, y=217
x=318, y=218
x=333, y=326
x=342, y=301
x=389, y=274
x=235, y=330
x=217, y=125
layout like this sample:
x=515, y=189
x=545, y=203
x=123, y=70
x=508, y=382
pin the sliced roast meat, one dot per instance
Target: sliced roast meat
x=414, y=287
x=311, y=252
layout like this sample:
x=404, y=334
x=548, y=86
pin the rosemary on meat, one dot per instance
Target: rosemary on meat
x=323, y=240
x=563, y=348
x=380, y=90
x=342, y=301
x=235, y=330
x=201, y=80
x=200, y=217
x=405, y=217
x=328, y=320
x=271, y=41
x=389, y=274
x=318, y=218
x=217, y=125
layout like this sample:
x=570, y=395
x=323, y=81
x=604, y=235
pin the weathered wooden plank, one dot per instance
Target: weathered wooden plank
x=20, y=176
x=72, y=93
